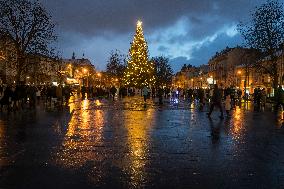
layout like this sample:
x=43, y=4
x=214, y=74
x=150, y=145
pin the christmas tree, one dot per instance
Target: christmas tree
x=139, y=71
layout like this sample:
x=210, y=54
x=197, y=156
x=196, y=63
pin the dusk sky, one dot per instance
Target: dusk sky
x=186, y=31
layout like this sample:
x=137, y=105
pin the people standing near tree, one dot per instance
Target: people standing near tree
x=113, y=91
x=38, y=94
x=216, y=101
x=145, y=92
x=31, y=93
x=279, y=98
x=201, y=99
x=59, y=95
x=228, y=104
x=67, y=93
x=160, y=95
x=263, y=98
x=83, y=92
x=6, y=98
x=13, y=98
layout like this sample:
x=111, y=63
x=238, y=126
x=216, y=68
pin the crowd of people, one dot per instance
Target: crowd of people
x=16, y=97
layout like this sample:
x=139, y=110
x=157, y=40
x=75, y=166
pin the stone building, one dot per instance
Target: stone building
x=80, y=71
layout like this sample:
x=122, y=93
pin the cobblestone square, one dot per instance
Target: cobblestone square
x=124, y=144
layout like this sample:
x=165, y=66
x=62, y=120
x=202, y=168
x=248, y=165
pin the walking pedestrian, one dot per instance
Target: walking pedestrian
x=228, y=104
x=113, y=90
x=145, y=92
x=279, y=98
x=216, y=101
x=263, y=98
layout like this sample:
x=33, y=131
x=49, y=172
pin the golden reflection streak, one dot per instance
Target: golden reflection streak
x=83, y=133
x=98, y=103
x=237, y=124
x=138, y=124
x=71, y=104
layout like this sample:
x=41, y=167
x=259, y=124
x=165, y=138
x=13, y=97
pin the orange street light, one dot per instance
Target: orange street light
x=99, y=74
x=239, y=72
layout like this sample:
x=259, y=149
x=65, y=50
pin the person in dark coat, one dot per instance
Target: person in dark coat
x=113, y=91
x=6, y=98
x=160, y=95
x=279, y=98
x=216, y=101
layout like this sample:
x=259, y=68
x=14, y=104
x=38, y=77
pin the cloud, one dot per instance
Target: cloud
x=172, y=28
x=178, y=62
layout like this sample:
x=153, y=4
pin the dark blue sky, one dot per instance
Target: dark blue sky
x=186, y=31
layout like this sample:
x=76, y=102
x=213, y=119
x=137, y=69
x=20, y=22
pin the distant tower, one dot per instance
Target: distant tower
x=73, y=56
x=83, y=56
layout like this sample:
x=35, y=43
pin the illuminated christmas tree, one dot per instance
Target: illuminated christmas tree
x=139, y=71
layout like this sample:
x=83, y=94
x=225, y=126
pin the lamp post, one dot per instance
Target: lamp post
x=99, y=75
x=70, y=70
x=239, y=73
x=86, y=72
x=28, y=77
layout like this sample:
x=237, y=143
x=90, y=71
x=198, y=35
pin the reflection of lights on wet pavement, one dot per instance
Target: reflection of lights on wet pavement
x=83, y=134
x=138, y=123
x=98, y=103
x=122, y=144
x=73, y=104
x=85, y=104
x=174, y=100
x=237, y=124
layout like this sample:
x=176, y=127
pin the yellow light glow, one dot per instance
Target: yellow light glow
x=139, y=23
x=84, y=132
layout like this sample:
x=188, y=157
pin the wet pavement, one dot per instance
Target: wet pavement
x=125, y=144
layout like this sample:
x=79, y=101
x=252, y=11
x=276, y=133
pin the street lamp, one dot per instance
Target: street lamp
x=28, y=77
x=99, y=75
x=87, y=73
x=239, y=73
x=69, y=70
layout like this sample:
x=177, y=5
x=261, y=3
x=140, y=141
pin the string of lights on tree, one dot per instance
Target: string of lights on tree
x=139, y=71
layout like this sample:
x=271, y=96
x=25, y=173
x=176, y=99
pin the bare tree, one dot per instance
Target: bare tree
x=116, y=65
x=163, y=71
x=265, y=32
x=29, y=27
